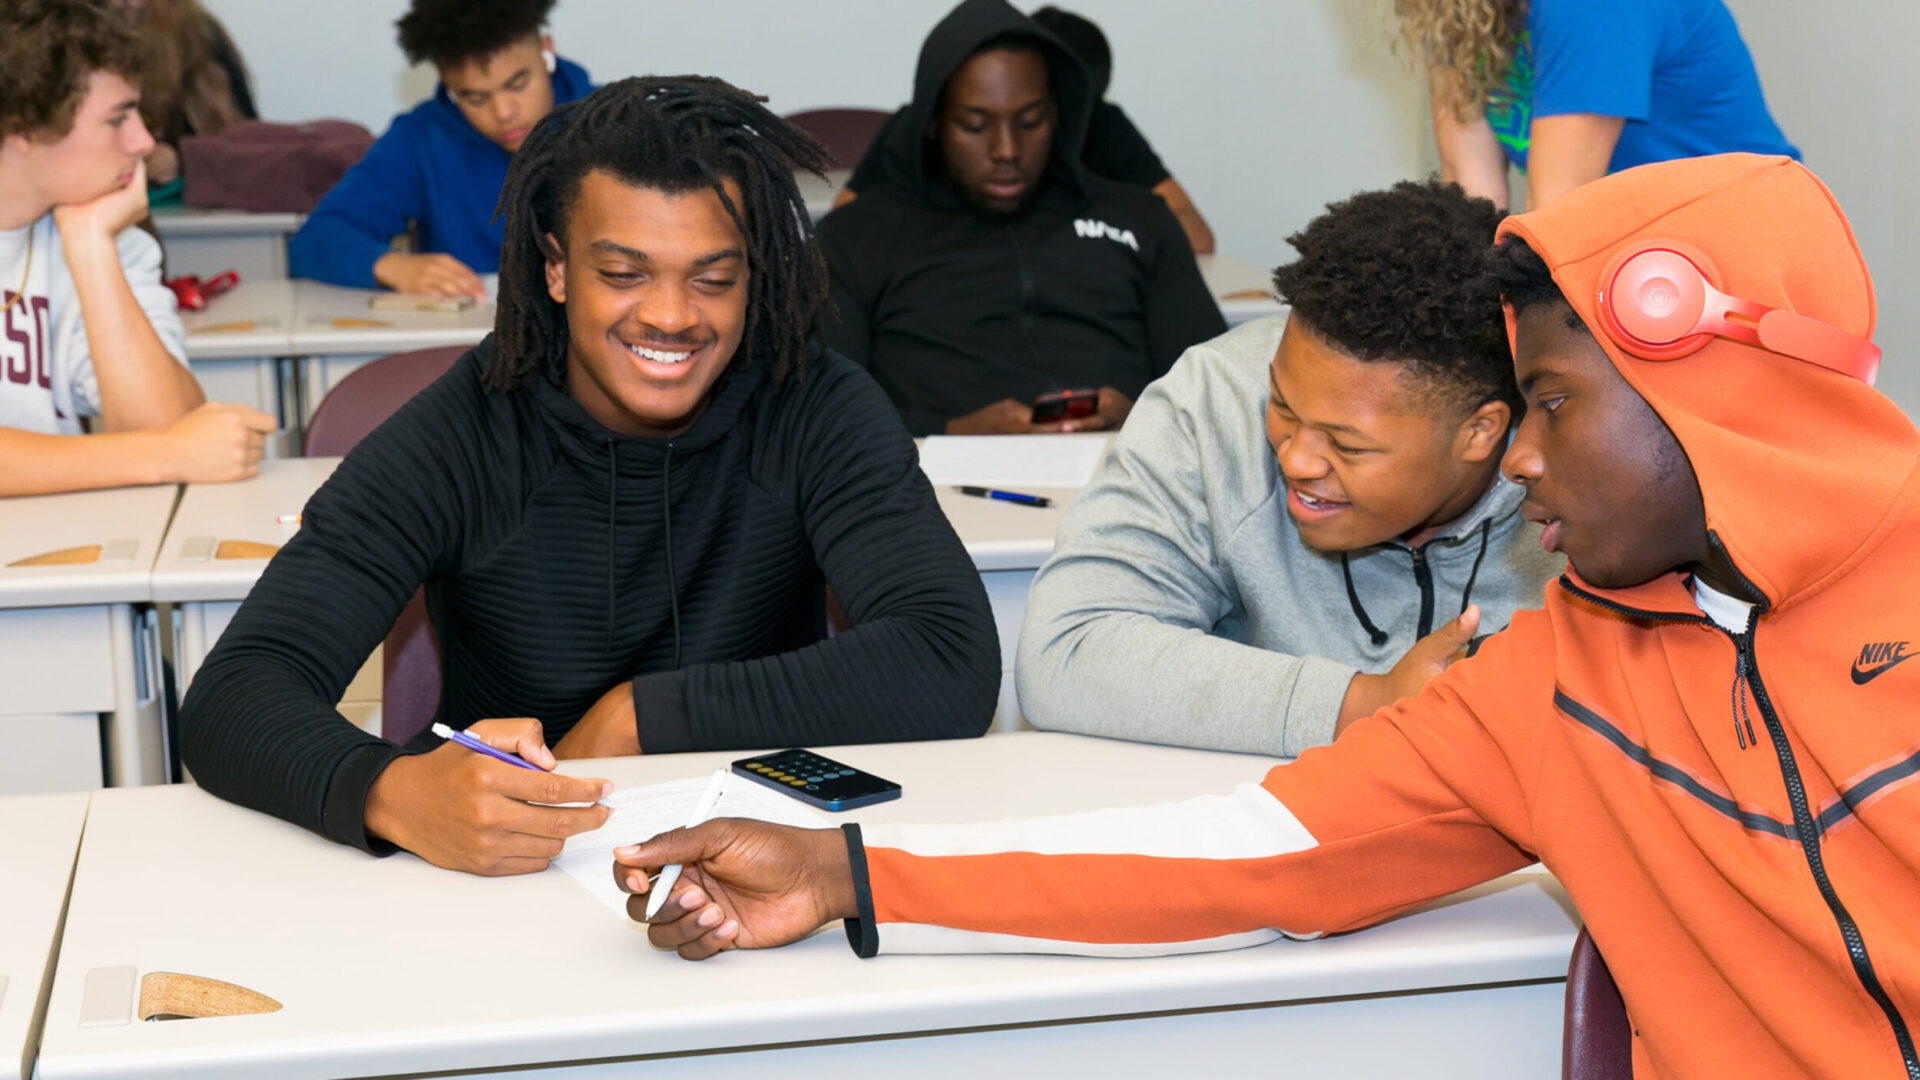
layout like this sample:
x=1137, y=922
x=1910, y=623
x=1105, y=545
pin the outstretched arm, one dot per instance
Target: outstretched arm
x=1414, y=803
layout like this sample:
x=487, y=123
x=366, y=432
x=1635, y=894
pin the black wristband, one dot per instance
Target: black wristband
x=862, y=934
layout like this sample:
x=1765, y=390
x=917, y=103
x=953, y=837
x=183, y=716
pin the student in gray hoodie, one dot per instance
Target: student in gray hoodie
x=1304, y=520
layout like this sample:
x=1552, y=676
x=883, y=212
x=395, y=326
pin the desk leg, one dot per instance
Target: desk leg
x=136, y=739
x=290, y=393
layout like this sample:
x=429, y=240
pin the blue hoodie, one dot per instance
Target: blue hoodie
x=431, y=169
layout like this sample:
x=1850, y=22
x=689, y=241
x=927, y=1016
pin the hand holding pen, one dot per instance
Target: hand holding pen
x=473, y=810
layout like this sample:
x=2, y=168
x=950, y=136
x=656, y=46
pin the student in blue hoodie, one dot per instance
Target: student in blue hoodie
x=439, y=167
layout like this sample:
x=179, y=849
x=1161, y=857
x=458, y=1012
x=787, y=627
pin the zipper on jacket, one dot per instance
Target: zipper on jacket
x=1805, y=832
x=1423, y=576
x=1803, y=826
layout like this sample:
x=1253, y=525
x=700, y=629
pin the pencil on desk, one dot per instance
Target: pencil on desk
x=238, y=327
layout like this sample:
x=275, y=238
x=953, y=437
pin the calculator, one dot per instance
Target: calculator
x=823, y=782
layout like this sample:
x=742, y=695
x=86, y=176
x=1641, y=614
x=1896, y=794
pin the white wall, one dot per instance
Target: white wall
x=1265, y=109
x=1843, y=91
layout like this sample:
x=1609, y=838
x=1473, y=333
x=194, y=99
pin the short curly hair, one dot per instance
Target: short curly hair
x=449, y=33
x=1524, y=281
x=48, y=48
x=1399, y=276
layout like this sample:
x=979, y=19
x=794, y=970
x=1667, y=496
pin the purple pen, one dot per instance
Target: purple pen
x=480, y=747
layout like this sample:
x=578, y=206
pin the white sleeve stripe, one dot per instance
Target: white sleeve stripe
x=920, y=938
x=1248, y=824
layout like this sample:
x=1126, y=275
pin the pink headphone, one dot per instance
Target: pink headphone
x=1658, y=301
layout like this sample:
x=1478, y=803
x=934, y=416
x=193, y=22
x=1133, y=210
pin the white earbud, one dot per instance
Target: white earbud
x=553, y=62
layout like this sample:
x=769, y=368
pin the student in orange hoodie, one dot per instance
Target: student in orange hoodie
x=1710, y=733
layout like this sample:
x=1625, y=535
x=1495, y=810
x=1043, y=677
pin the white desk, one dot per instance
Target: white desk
x=394, y=968
x=1008, y=543
x=73, y=648
x=206, y=590
x=1227, y=275
x=819, y=194
x=39, y=837
x=239, y=346
x=208, y=242
x=335, y=331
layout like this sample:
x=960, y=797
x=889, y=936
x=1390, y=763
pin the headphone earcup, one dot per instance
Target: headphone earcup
x=1651, y=303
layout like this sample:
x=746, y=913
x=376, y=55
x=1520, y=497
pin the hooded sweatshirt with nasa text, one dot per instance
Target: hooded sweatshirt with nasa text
x=1734, y=811
x=1092, y=285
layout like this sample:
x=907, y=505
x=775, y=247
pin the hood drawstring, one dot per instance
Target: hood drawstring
x=1377, y=635
x=666, y=508
x=666, y=514
x=613, y=503
x=1486, y=533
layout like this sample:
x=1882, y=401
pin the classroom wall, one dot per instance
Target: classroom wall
x=1842, y=89
x=1265, y=109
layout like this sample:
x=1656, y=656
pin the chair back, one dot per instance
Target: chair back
x=1598, y=1043
x=846, y=133
x=368, y=395
x=410, y=693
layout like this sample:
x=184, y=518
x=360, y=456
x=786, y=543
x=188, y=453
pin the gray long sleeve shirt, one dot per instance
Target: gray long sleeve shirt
x=1181, y=606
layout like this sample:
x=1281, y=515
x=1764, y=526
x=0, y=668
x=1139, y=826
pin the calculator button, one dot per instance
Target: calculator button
x=811, y=779
x=796, y=783
x=813, y=787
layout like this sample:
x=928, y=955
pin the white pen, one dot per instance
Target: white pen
x=702, y=810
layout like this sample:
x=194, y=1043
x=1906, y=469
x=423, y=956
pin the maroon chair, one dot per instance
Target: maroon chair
x=1598, y=1041
x=846, y=133
x=361, y=402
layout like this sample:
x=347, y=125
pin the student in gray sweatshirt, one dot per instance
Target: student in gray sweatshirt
x=1304, y=520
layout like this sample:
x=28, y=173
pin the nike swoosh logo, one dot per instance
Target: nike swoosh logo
x=1862, y=677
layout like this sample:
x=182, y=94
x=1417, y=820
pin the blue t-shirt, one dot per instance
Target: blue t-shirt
x=1675, y=70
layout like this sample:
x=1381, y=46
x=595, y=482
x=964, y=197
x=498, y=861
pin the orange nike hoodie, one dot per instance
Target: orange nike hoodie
x=1758, y=899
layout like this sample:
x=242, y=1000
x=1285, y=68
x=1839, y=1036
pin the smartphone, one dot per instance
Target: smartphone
x=820, y=781
x=1065, y=405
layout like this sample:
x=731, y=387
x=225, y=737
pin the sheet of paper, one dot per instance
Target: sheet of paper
x=643, y=812
x=1017, y=462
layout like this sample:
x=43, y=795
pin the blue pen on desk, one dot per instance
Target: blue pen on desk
x=480, y=747
x=1006, y=496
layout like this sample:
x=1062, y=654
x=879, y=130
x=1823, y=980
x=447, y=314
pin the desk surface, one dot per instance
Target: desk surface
x=39, y=835
x=249, y=510
x=343, y=940
x=255, y=319
x=127, y=524
x=1227, y=275
x=334, y=321
x=171, y=221
x=1004, y=535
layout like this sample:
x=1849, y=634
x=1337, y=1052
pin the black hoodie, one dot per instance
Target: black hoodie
x=560, y=558
x=1094, y=285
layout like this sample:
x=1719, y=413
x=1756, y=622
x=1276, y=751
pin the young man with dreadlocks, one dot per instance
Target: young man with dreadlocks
x=439, y=168
x=1305, y=520
x=86, y=328
x=643, y=481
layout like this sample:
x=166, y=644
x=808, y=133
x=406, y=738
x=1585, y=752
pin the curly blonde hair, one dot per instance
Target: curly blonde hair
x=1467, y=44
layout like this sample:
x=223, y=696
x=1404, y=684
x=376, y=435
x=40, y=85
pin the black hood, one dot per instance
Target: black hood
x=911, y=161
